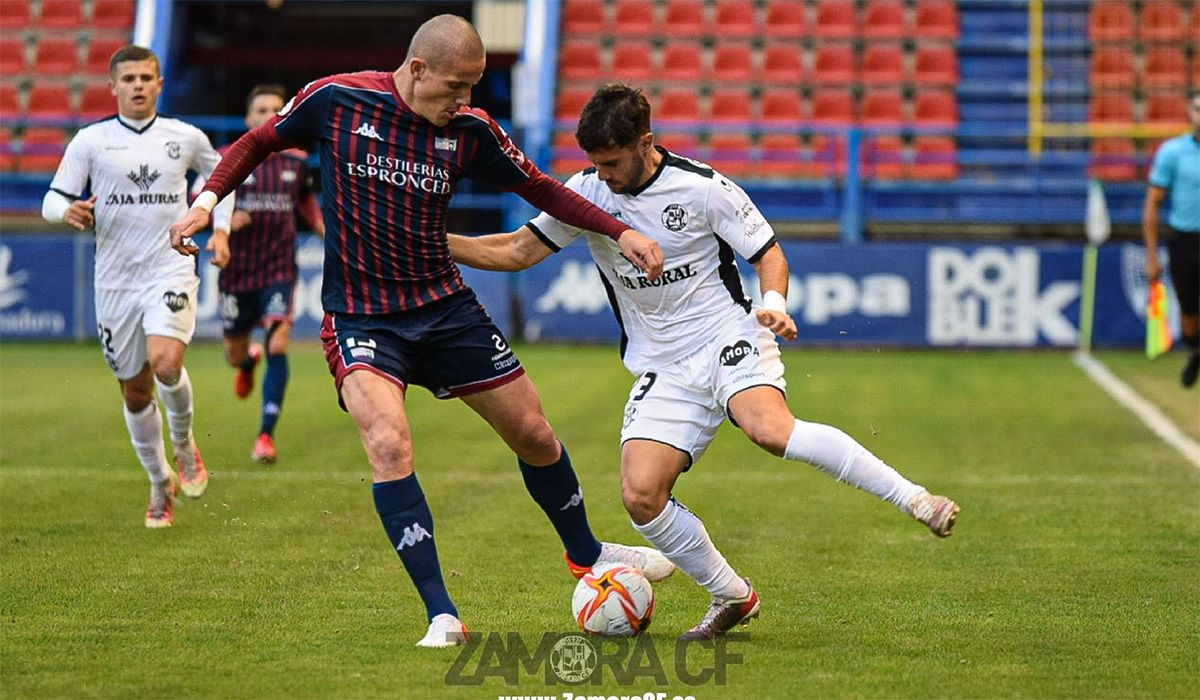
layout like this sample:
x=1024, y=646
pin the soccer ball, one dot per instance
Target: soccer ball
x=613, y=600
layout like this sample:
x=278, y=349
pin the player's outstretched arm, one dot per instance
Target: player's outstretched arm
x=196, y=219
x=772, y=269
x=505, y=252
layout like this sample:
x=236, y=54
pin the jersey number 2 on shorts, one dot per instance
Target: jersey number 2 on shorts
x=106, y=343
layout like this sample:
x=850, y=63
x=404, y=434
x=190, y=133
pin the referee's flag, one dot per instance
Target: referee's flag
x=1158, y=324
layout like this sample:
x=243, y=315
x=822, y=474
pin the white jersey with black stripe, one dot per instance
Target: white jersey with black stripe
x=138, y=175
x=700, y=218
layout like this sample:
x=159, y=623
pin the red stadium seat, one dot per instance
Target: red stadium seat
x=934, y=158
x=883, y=64
x=634, y=18
x=832, y=106
x=783, y=63
x=10, y=101
x=42, y=149
x=580, y=60
x=883, y=158
x=935, y=108
x=12, y=57
x=1113, y=159
x=678, y=105
x=732, y=62
x=885, y=19
x=678, y=142
x=97, y=102
x=685, y=18
x=56, y=57
x=835, y=64
x=730, y=153
x=1165, y=67
x=782, y=106
x=936, y=65
x=14, y=15
x=784, y=156
x=8, y=156
x=1166, y=108
x=786, y=19
x=829, y=155
x=882, y=107
x=49, y=101
x=583, y=18
x=1112, y=67
x=1110, y=20
x=1111, y=107
x=731, y=106
x=567, y=156
x=1162, y=20
x=683, y=60
x=633, y=60
x=61, y=14
x=937, y=19
x=114, y=14
x=98, y=54
x=836, y=19
x=735, y=19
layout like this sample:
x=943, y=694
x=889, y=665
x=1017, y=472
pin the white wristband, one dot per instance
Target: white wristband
x=774, y=301
x=206, y=201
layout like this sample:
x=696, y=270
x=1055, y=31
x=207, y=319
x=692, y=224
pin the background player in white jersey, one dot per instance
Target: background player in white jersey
x=134, y=164
x=698, y=347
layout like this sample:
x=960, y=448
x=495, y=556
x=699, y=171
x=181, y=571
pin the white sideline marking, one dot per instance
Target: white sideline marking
x=1154, y=419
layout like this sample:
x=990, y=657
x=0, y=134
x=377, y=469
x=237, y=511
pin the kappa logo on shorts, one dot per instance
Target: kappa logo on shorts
x=175, y=301
x=731, y=355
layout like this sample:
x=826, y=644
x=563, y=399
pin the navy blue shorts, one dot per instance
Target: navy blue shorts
x=451, y=347
x=242, y=311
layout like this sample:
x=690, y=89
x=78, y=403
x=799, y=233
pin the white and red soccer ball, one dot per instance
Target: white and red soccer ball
x=613, y=600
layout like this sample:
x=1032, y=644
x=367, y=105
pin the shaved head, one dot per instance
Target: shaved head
x=446, y=39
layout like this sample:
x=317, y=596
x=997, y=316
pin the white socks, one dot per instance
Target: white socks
x=145, y=430
x=840, y=456
x=178, y=400
x=681, y=537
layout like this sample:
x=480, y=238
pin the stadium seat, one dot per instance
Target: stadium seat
x=634, y=18
x=832, y=106
x=834, y=64
x=583, y=18
x=678, y=105
x=885, y=19
x=42, y=149
x=685, y=19
x=1112, y=67
x=883, y=64
x=99, y=52
x=786, y=19
x=683, y=60
x=732, y=62
x=580, y=60
x=783, y=63
x=836, y=19
x=1165, y=67
x=12, y=57
x=1161, y=20
x=883, y=158
x=735, y=19
x=882, y=107
x=784, y=156
x=14, y=15
x=829, y=155
x=56, y=57
x=567, y=156
x=570, y=102
x=679, y=142
x=935, y=65
x=49, y=101
x=10, y=101
x=936, y=19
x=935, y=108
x=782, y=106
x=934, y=158
x=8, y=156
x=633, y=60
x=1167, y=108
x=1111, y=107
x=1110, y=20
x=113, y=14
x=96, y=102
x=1113, y=160
x=61, y=14
x=731, y=106
x=730, y=153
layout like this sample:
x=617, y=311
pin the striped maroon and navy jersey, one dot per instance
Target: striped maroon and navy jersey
x=264, y=252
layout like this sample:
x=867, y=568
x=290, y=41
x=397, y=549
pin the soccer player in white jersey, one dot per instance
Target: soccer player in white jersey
x=699, y=349
x=134, y=163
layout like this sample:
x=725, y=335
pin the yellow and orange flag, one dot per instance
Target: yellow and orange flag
x=1158, y=324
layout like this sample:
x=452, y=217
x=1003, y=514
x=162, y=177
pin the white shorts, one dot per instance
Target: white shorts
x=682, y=404
x=124, y=318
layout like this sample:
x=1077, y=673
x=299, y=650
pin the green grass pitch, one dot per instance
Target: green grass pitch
x=1075, y=571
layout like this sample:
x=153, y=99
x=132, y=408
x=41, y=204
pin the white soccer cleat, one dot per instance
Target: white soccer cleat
x=160, y=512
x=445, y=631
x=650, y=561
x=938, y=512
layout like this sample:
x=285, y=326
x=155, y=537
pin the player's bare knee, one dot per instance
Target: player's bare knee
x=391, y=457
x=771, y=435
x=136, y=398
x=536, y=442
x=643, y=504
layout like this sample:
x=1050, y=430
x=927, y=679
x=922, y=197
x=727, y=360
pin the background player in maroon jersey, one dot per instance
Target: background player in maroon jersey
x=392, y=147
x=258, y=279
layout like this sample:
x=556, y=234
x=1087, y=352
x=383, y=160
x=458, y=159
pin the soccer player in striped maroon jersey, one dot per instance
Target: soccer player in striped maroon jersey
x=258, y=279
x=392, y=147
